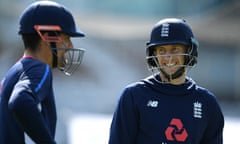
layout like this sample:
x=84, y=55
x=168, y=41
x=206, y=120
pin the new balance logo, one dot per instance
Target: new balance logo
x=152, y=103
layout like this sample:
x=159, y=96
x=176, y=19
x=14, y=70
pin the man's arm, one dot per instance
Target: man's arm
x=25, y=109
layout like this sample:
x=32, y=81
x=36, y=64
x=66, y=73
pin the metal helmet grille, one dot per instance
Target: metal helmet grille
x=72, y=60
x=155, y=68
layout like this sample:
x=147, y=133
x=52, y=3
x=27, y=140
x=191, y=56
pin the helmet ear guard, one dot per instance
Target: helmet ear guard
x=151, y=60
x=193, y=52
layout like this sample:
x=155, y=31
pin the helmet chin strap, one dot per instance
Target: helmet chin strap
x=54, y=54
x=176, y=75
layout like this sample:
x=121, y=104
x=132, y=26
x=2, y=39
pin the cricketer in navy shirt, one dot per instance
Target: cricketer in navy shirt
x=168, y=107
x=149, y=112
x=27, y=105
x=26, y=98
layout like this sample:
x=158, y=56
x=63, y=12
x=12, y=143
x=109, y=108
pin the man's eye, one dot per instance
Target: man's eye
x=161, y=51
x=175, y=49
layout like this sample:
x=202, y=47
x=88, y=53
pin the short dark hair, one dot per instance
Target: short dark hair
x=31, y=41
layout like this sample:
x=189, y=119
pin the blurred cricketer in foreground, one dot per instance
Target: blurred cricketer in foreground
x=27, y=104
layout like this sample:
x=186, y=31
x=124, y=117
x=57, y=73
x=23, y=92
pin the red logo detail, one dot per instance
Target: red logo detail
x=176, y=131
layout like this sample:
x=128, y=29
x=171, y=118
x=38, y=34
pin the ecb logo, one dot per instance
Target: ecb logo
x=165, y=30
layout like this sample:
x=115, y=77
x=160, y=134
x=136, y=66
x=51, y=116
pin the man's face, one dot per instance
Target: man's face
x=69, y=58
x=170, y=57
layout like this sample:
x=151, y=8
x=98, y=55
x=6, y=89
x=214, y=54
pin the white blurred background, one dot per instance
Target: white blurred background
x=116, y=34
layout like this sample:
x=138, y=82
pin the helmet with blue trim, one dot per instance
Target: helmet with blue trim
x=172, y=31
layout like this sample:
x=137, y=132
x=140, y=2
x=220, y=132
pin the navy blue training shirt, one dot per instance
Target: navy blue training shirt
x=27, y=103
x=149, y=112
